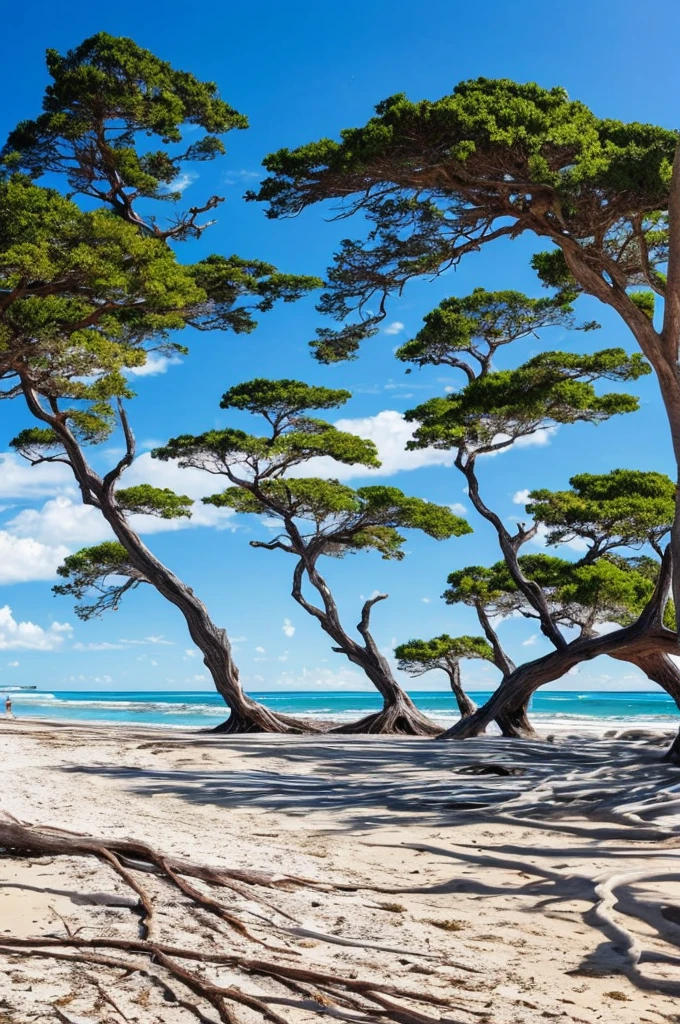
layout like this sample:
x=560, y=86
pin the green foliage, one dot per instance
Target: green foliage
x=295, y=436
x=37, y=444
x=110, y=91
x=480, y=323
x=612, y=589
x=419, y=656
x=554, y=387
x=644, y=301
x=344, y=520
x=104, y=571
x=436, y=180
x=623, y=508
x=154, y=501
x=281, y=400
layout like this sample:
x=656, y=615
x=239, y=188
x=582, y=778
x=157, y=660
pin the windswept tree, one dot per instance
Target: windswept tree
x=416, y=657
x=497, y=159
x=610, y=585
x=317, y=517
x=625, y=510
x=86, y=293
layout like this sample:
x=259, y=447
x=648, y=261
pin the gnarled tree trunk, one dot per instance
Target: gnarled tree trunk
x=246, y=715
x=466, y=705
x=399, y=714
x=212, y=641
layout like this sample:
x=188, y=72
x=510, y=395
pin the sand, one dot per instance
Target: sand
x=500, y=919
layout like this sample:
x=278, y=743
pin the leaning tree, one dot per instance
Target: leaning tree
x=417, y=657
x=317, y=517
x=496, y=409
x=496, y=159
x=86, y=292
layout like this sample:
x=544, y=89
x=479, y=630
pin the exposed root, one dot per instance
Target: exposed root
x=167, y=965
x=400, y=719
x=261, y=719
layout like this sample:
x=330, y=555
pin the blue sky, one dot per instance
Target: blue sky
x=300, y=73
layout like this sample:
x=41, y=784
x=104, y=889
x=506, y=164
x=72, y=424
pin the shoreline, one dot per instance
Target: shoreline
x=600, y=729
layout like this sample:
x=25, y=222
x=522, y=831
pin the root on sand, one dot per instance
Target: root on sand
x=182, y=972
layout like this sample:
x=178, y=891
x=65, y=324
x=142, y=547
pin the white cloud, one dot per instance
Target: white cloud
x=530, y=641
x=288, y=628
x=23, y=559
x=182, y=181
x=260, y=650
x=13, y=664
x=521, y=497
x=390, y=432
x=18, y=479
x=27, y=635
x=65, y=522
x=121, y=645
x=426, y=600
x=458, y=509
x=396, y=327
x=155, y=364
x=191, y=652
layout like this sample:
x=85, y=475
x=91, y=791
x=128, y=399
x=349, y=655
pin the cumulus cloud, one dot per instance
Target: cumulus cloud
x=288, y=628
x=18, y=479
x=23, y=559
x=389, y=431
x=396, y=327
x=521, y=497
x=29, y=636
x=458, y=509
x=65, y=522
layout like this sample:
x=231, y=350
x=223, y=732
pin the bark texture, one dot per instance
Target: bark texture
x=211, y=640
x=399, y=714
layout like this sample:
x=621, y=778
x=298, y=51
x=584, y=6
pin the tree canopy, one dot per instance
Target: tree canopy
x=494, y=410
x=622, y=508
x=419, y=656
x=439, y=179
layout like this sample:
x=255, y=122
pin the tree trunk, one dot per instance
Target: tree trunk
x=399, y=714
x=514, y=722
x=466, y=705
x=673, y=754
x=662, y=670
x=212, y=641
x=512, y=696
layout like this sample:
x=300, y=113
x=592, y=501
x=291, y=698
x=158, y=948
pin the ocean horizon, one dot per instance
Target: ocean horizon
x=588, y=710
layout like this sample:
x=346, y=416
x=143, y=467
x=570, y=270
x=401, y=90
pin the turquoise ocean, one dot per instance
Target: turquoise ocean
x=550, y=709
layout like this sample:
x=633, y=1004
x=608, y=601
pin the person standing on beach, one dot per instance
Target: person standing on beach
x=8, y=707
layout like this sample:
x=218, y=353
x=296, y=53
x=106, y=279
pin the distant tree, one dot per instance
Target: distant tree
x=86, y=293
x=317, y=517
x=446, y=653
x=436, y=180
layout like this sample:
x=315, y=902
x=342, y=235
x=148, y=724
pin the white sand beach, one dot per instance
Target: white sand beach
x=528, y=909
